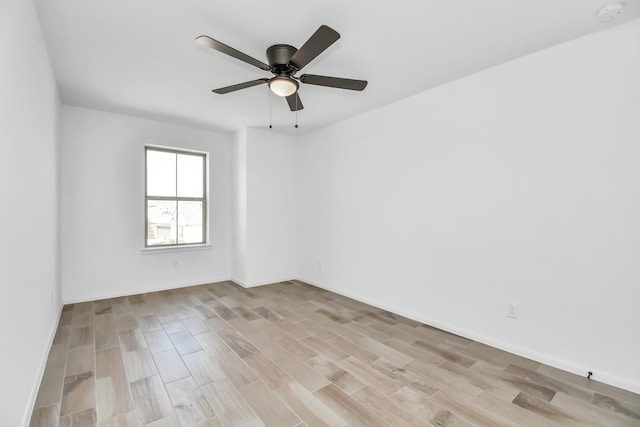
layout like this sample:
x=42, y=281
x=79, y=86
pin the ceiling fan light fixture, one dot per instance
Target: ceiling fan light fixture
x=283, y=86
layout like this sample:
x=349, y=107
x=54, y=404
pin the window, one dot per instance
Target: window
x=175, y=197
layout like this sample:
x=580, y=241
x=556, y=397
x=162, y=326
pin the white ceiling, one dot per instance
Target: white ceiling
x=139, y=56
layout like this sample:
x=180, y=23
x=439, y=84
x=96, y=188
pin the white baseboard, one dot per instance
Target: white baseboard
x=546, y=359
x=26, y=419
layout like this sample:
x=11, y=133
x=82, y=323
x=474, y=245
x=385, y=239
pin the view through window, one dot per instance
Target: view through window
x=175, y=197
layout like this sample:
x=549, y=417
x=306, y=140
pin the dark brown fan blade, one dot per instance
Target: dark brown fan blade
x=317, y=43
x=337, y=82
x=221, y=47
x=294, y=102
x=239, y=86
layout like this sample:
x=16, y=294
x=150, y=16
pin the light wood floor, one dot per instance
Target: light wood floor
x=291, y=354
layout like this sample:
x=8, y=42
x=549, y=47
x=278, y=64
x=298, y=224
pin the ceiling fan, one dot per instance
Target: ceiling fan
x=284, y=62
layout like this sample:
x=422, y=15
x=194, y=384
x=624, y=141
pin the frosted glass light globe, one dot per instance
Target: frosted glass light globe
x=283, y=86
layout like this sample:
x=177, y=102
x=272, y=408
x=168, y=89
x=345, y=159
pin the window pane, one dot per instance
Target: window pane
x=190, y=172
x=190, y=222
x=161, y=222
x=161, y=173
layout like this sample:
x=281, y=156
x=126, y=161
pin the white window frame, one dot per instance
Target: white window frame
x=204, y=199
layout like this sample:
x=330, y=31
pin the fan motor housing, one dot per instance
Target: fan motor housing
x=278, y=56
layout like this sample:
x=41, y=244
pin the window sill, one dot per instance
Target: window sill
x=173, y=249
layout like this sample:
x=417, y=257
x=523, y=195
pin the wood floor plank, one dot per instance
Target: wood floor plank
x=235, y=369
x=267, y=314
x=512, y=412
x=113, y=395
x=342, y=331
x=307, y=407
x=267, y=406
x=546, y=410
x=269, y=372
x=106, y=335
x=102, y=307
x=139, y=364
x=551, y=383
x=150, y=399
x=347, y=408
x=158, y=341
x=593, y=412
x=267, y=327
x=629, y=398
x=352, y=349
x=212, y=343
x=441, y=378
x=86, y=418
x=496, y=356
x=491, y=378
x=446, y=353
x=292, y=329
x=125, y=322
x=228, y=405
x=428, y=412
x=132, y=340
x=189, y=402
x=316, y=329
x=238, y=344
x=195, y=326
x=407, y=378
x=338, y=376
x=149, y=322
x=614, y=405
x=50, y=392
x=296, y=347
x=244, y=327
x=370, y=376
x=324, y=348
x=78, y=393
x=130, y=419
x=184, y=342
x=463, y=406
x=81, y=336
x=300, y=372
x=62, y=334
x=268, y=347
x=45, y=417
x=385, y=408
x=384, y=351
x=245, y=313
x=202, y=367
x=367, y=332
x=414, y=352
x=171, y=366
x=80, y=359
x=399, y=331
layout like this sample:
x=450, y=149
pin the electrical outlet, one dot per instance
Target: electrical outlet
x=513, y=309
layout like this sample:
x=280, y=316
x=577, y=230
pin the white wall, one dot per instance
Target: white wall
x=239, y=208
x=102, y=207
x=29, y=284
x=271, y=208
x=264, y=210
x=519, y=183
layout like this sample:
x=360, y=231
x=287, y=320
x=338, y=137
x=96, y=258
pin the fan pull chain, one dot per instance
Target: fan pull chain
x=270, y=120
x=296, y=111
